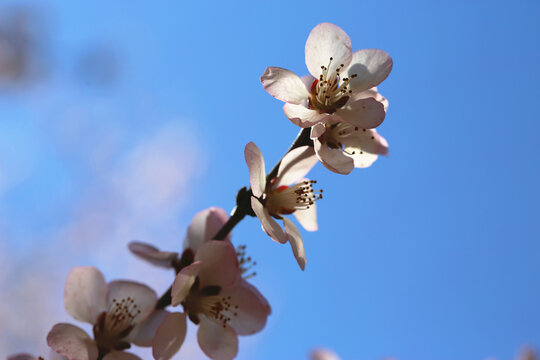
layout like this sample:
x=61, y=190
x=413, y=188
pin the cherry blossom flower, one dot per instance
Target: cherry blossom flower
x=121, y=312
x=341, y=146
x=334, y=91
x=216, y=297
x=275, y=198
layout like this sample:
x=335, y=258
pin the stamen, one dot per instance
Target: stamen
x=286, y=200
x=328, y=92
x=120, y=315
x=245, y=263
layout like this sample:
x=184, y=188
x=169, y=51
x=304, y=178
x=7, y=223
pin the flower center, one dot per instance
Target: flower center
x=116, y=324
x=120, y=315
x=330, y=91
x=209, y=302
x=287, y=199
x=335, y=133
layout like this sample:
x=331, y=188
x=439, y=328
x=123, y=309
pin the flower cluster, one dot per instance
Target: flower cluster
x=338, y=100
x=338, y=108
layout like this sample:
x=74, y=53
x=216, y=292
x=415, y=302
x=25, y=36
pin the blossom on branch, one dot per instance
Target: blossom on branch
x=274, y=198
x=121, y=313
x=339, y=100
x=334, y=91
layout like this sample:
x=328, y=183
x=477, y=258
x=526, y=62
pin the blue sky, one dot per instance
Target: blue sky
x=432, y=253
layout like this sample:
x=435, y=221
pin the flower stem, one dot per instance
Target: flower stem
x=242, y=208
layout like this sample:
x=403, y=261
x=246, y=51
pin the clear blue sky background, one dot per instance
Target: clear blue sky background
x=433, y=253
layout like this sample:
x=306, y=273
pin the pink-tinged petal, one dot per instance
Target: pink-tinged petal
x=152, y=254
x=269, y=225
x=364, y=113
x=295, y=239
x=204, y=226
x=284, y=85
x=216, y=341
x=219, y=264
x=250, y=310
x=257, y=171
x=255, y=291
x=324, y=42
x=121, y=355
x=295, y=165
x=170, y=336
x=364, y=146
x=143, y=333
x=144, y=297
x=371, y=67
x=24, y=356
x=333, y=159
x=183, y=282
x=308, y=217
x=72, y=342
x=304, y=117
x=323, y=354
x=85, y=293
x=371, y=93
x=317, y=131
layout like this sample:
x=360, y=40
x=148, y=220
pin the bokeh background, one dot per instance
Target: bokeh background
x=121, y=119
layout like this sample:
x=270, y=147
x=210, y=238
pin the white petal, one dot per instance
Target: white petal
x=364, y=146
x=121, y=355
x=371, y=67
x=284, y=85
x=364, y=113
x=307, y=80
x=317, y=131
x=169, y=336
x=216, y=341
x=308, y=217
x=72, y=342
x=143, y=333
x=204, y=226
x=295, y=239
x=85, y=293
x=152, y=254
x=333, y=159
x=257, y=171
x=269, y=225
x=327, y=40
x=183, y=282
x=304, y=117
x=295, y=165
x=219, y=264
x=144, y=297
x=373, y=93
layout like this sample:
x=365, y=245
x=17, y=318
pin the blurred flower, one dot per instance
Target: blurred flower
x=274, y=198
x=341, y=146
x=323, y=354
x=121, y=312
x=21, y=42
x=527, y=354
x=334, y=92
